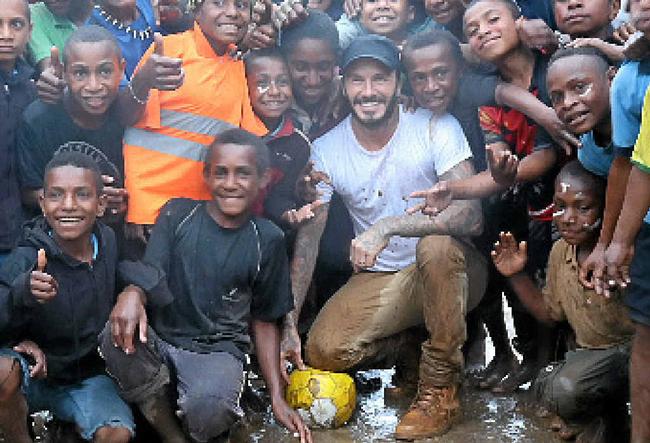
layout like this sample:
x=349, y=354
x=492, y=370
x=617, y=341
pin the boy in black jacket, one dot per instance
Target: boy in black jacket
x=57, y=289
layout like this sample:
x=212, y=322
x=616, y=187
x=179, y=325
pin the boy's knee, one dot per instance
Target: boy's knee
x=10, y=378
x=109, y=434
x=208, y=417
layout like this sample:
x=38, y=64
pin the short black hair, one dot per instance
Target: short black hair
x=575, y=170
x=430, y=38
x=510, y=4
x=78, y=160
x=603, y=62
x=91, y=34
x=271, y=52
x=318, y=25
x=237, y=136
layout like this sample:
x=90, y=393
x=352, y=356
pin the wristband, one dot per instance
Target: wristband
x=135, y=97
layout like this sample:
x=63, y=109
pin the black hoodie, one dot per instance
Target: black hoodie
x=65, y=328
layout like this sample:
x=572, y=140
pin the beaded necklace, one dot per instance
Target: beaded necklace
x=141, y=35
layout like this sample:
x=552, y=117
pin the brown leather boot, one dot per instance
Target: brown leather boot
x=432, y=413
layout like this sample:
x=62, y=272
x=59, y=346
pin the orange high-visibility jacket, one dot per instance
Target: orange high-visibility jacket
x=164, y=151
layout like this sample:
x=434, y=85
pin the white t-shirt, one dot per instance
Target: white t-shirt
x=376, y=184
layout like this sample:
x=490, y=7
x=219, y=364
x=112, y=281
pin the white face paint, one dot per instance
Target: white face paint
x=592, y=227
x=263, y=89
x=559, y=213
x=565, y=186
x=587, y=91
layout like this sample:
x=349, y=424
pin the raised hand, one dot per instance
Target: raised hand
x=352, y=8
x=42, y=285
x=509, y=257
x=436, y=199
x=39, y=368
x=296, y=216
x=50, y=84
x=117, y=197
x=503, y=166
x=536, y=34
x=159, y=71
x=307, y=181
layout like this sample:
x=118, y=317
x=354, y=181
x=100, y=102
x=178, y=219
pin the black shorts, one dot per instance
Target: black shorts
x=638, y=295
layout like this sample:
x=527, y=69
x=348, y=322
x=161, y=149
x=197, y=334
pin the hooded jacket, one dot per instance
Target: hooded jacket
x=65, y=328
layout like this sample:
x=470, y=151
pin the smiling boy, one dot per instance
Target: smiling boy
x=54, y=307
x=203, y=324
x=588, y=389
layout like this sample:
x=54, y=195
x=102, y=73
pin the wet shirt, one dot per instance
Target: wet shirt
x=45, y=128
x=219, y=278
x=376, y=184
x=598, y=322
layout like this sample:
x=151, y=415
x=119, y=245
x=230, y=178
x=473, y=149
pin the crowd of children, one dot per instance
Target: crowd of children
x=185, y=183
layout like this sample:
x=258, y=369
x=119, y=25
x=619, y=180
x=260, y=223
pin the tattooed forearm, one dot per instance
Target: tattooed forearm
x=304, y=259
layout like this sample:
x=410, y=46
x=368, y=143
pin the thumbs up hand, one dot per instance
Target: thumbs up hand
x=162, y=72
x=43, y=286
x=50, y=84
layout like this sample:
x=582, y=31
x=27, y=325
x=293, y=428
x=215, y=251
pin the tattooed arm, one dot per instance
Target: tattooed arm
x=460, y=218
x=302, y=267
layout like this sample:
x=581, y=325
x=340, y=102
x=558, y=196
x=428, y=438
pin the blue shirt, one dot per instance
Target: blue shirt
x=627, y=95
x=133, y=48
x=594, y=158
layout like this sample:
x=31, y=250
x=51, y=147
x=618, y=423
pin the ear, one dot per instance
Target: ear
x=41, y=199
x=122, y=65
x=265, y=179
x=101, y=205
x=611, y=73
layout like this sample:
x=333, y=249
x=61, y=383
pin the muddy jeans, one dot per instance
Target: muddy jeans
x=208, y=385
x=589, y=383
x=362, y=325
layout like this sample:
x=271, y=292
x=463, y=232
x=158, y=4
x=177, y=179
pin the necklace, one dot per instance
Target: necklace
x=141, y=35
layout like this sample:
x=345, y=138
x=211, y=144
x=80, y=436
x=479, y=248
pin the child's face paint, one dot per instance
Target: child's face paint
x=269, y=87
x=15, y=30
x=93, y=74
x=584, y=18
x=577, y=211
x=433, y=72
x=579, y=90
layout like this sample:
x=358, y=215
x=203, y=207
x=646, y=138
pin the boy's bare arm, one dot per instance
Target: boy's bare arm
x=531, y=296
x=593, y=268
x=635, y=206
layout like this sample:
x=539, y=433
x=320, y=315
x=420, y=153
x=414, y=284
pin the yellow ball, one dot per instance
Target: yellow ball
x=323, y=399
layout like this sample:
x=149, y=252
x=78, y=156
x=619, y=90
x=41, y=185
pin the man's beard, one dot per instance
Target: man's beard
x=391, y=106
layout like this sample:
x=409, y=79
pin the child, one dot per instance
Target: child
x=588, y=389
x=93, y=69
x=578, y=81
x=269, y=86
x=132, y=23
x=19, y=92
x=203, y=324
x=54, y=307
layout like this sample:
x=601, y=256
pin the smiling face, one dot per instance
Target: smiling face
x=223, y=22
x=577, y=210
x=312, y=65
x=93, y=74
x=433, y=72
x=70, y=202
x=444, y=11
x=491, y=31
x=579, y=90
x=233, y=180
x=269, y=87
x=371, y=89
x=640, y=15
x=386, y=17
x=585, y=18
x=15, y=30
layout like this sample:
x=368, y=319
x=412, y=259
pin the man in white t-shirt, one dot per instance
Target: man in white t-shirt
x=412, y=269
